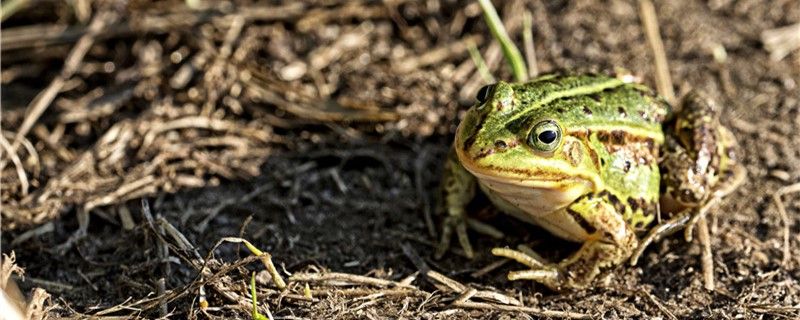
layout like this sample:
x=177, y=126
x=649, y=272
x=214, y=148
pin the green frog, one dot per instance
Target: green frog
x=593, y=159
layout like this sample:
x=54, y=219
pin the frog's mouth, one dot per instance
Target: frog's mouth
x=538, y=189
x=543, y=174
x=537, y=197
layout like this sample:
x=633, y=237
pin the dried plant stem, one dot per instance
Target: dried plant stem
x=528, y=310
x=794, y=188
x=781, y=41
x=664, y=86
x=71, y=64
x=707, y=259
x=11, y=7
x=650, y=24
x=510, y=50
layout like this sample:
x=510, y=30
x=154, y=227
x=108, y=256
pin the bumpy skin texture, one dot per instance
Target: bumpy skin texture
x=697, y=152
x=579, y=156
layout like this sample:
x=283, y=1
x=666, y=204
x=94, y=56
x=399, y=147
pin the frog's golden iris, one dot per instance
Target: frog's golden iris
x=586, y=157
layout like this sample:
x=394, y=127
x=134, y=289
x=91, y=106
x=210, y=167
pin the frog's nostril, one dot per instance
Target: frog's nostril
x=500, y=144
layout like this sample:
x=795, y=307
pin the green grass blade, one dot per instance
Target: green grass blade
x=510, y=51
x=256, y=314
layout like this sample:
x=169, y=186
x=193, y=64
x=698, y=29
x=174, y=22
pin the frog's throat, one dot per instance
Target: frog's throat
x=534, y=197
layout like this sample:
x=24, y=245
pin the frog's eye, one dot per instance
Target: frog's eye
x=483, y=93
x=545, y=136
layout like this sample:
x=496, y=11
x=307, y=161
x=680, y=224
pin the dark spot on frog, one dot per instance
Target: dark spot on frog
x=622, y=112
x=587, y=111
x=602, y=162
x=500, y=144
x=596, y=97
x=627, y=166
x=638, y=225
x=651, y=147
x=618, y=137
x=560, y=110
x=650, y=208
x=517, y=124
x=614, y=201
x=483, y=153
x=581, y=221
x=634, y=204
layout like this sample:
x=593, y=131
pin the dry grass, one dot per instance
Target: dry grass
x=315, y=130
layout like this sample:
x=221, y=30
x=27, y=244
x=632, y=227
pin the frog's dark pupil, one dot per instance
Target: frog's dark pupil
x=483, y=93
x=547, y=136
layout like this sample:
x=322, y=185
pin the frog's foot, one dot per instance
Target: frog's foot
x=685, y=220
x=665, y=228
x=459, y=223
x=578, y=271
x=540, y=271
x=735, y=178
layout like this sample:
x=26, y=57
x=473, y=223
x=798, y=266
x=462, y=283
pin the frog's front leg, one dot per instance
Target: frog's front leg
x=610, y=242
x=458, y=186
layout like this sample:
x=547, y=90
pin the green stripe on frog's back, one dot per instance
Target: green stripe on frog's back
x=626, y=108
x=528, y=98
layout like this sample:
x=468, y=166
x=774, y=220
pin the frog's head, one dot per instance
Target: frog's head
x=513, y=135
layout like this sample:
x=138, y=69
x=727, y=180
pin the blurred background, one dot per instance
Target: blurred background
x=316, y=130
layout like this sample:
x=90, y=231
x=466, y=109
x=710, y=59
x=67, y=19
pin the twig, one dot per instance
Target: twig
x=38, y=35
x=11, y=7
x=12, y=153
x=529, y=310
x=781, y=41
x=345, y=278
x=510, y=50
x=437, y=54
x=707, y=259
x=650, y=24
x=793, y=188
x=71, y=64
x=658, y=304
x=460, y=288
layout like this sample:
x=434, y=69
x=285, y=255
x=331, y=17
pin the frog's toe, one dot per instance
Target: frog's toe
x=519, y=256
x=540, y=271
x=546, y=276
x=484, y=228
x=460, y=226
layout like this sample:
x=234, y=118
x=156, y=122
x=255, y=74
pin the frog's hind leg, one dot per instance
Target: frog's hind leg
x=609, y=243
x=688, y=217
x=734, y=180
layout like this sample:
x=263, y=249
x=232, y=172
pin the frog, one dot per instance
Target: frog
x=594, y=159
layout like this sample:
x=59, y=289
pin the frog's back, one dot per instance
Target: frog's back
x=620, y=126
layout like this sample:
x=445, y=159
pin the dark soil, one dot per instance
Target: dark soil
x=360, y=102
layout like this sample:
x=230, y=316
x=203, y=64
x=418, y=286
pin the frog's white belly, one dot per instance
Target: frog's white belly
x=545, y=207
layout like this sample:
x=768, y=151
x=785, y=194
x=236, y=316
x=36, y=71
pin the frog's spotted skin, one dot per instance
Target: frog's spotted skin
x=577, y=155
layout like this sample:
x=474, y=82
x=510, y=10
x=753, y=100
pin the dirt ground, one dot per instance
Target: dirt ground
x=316, y=130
